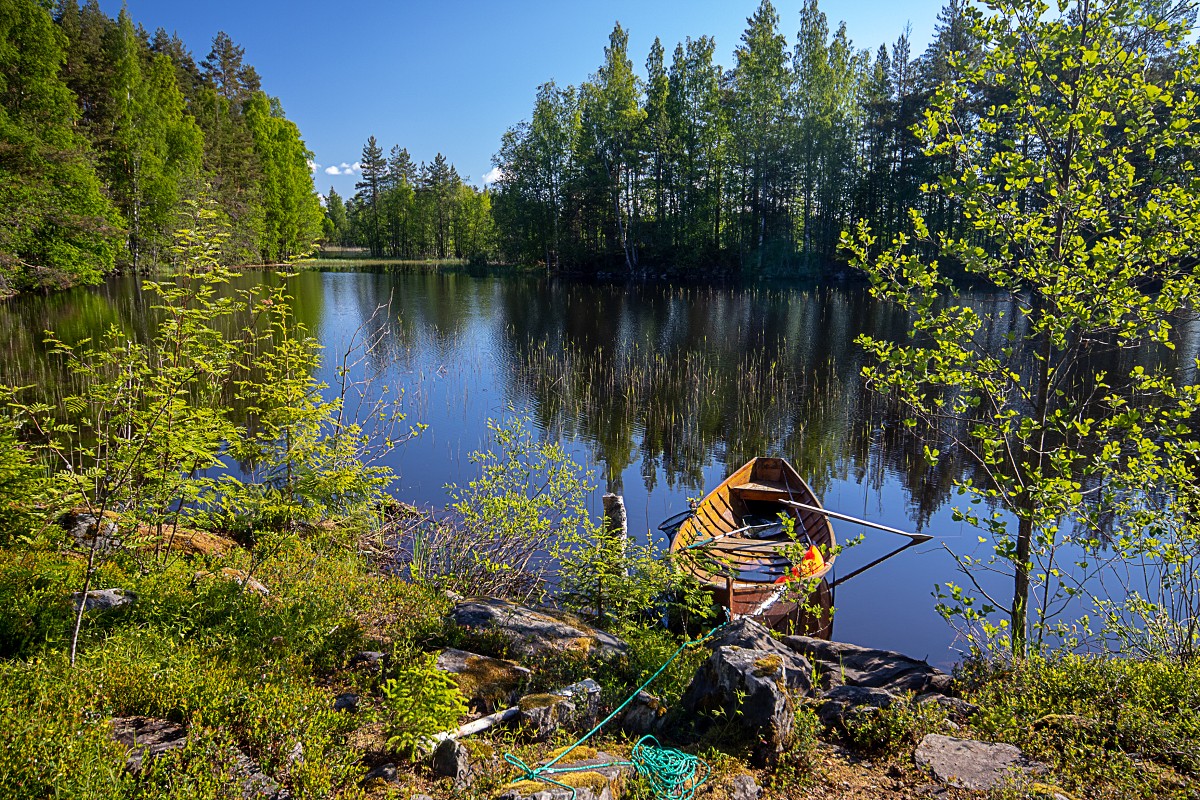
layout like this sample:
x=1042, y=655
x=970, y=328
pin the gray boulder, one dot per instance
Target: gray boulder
x=644, y=715
x=744, y=787
x=536, y=632
x=101, y=599
x=970, y=764
x=751, y=690
x=487, y=683
x=752, y=635
x=838, y=663
x=576, y=708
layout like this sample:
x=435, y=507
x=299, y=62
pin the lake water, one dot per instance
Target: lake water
x=661, y=391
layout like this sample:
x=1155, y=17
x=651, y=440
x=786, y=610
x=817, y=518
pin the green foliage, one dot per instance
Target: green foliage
x=1108, y=727
x=528, y=495
x=292, y=213
x=136, y=445
x=894, y=730
x=420, y=702
x=621, y=582
x=1088, y=236
x=235, y=668
x=305, y=457
x=56, y=225
x=799, y=765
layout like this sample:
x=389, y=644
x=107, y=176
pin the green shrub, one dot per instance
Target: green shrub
x=895, y=728
x=1108, y=727
x=420, y=701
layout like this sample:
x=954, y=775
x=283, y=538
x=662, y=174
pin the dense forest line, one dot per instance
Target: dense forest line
x=405, y=210
x=757, y=169
x=112, y=139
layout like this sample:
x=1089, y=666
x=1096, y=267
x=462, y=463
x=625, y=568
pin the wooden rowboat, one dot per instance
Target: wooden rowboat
x=733, y=542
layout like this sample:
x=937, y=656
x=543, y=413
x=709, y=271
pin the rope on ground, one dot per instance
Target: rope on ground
x=672, y=774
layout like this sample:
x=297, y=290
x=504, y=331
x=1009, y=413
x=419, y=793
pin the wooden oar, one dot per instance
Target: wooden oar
x=917, y=538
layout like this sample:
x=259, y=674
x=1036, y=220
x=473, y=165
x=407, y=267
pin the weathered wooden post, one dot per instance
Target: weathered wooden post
x=616, y=523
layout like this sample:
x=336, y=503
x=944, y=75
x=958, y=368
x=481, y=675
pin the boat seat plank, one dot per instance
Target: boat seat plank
x=762, y=486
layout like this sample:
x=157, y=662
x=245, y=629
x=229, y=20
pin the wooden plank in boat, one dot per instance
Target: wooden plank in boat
x=763, y=490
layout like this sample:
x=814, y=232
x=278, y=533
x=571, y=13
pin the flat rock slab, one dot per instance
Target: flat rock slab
x=589, y=777
x=841, y=663
x=487, y=683
x=970, y=764
x=147, y=738
x=535, y=632
x=840, y=701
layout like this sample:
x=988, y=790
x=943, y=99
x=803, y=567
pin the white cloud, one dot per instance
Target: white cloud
x=345, y=168
x=313, y=166
x=493, y=175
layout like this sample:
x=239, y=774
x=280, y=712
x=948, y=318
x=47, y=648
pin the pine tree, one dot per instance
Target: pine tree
x=370, y=190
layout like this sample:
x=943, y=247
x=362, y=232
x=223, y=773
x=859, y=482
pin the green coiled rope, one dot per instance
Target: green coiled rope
x=672, y=774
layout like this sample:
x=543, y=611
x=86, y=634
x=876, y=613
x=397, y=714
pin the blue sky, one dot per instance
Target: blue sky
x=451, y=76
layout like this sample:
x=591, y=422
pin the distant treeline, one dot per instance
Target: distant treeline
x=111, y=138
x=755, y=169
x=402, y=210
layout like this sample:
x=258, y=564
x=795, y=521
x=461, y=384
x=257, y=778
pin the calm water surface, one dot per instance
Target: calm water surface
x=661, y=391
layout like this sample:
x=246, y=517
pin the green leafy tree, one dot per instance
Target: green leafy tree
x=291, y=210
x=612, y=116
x=155, y=149
x=759, y=128
x=56, y=225
x=335, y=223
x=1085, y=219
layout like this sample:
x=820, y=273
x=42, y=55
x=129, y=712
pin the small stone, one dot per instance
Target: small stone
x=368, y=661
x=384, y=772
x=644, y=715
x=103, y=599
x=346, y=702
x=970, y=764
x=452, y=760
x=744, y=787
